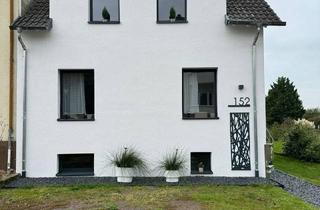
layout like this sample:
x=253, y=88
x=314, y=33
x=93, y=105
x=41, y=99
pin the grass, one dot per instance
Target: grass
x=305, y=170
x=112, y=197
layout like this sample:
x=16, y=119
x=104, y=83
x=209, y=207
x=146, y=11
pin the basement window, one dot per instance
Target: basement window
x=104, y=12
x=76, y=95
x=172, y=11
x=199, y=93
x=76, y=165
x=201, y=163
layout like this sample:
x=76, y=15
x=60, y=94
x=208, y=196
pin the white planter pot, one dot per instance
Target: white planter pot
x=201, y=170
x=172, y=176
x=124, y=175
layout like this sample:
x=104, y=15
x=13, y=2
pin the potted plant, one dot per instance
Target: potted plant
x=201, y=167
x=172, y=15
x=105, y=14
x=173, y=164
x=128, y=162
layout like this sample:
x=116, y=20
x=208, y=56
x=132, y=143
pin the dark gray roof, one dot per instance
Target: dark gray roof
x=251, y=12
x=36, y=17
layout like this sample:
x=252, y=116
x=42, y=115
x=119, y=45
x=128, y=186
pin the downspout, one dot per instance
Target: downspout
x=11, y=89
x=254, y=82
x=24, y=125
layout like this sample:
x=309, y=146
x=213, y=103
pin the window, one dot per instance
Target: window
x=172, y=11
x=76, y=165
x=76, y=95
x=104, y=11
x=199, y=94
x=201, y=163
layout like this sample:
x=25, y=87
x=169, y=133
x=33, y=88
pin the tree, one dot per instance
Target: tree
x=283, y=101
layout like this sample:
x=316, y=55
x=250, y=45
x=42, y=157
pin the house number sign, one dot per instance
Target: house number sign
x=241, y=102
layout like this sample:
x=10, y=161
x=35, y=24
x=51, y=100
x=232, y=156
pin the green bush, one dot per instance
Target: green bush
x=313, y=115
x=303, y=143
x=280, y=132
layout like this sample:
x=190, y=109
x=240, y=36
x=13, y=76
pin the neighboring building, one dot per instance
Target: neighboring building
x=7, y=75
x=4, y=66
x=156, y=75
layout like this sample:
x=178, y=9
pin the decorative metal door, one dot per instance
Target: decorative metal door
x=240, y=141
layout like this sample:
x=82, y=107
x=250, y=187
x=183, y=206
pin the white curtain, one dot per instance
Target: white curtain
x=191, y=101
x=74, y=101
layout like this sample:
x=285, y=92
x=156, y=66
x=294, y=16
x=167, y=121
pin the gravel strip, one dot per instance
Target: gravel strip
x=300, y=188
x=138, y=181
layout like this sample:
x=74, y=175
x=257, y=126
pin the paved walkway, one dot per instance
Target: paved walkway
x=298, y=187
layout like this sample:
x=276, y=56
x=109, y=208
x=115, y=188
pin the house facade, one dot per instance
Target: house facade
x=95, y=76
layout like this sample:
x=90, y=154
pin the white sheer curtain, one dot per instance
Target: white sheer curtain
x=191, y=100
x=74, y=101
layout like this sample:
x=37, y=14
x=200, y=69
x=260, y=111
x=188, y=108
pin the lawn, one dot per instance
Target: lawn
x=256, y=197
x=305, y=170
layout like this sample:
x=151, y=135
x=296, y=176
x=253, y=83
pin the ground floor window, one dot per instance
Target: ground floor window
x=76, y=95
x=199, y=93
x=201, y=163
x=76, y=164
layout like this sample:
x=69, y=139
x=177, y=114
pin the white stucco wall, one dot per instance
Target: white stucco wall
x=138, y=88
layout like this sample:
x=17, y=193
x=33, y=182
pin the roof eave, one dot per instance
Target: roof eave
x=14, y=26
x=248, y=22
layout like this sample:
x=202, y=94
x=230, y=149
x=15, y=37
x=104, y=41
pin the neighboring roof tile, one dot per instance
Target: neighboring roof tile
x=36, y=18
x=251, y=12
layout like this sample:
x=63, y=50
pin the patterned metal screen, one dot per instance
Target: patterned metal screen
x=240, y=141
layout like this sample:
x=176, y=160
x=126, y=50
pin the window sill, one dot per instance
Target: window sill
x=75, y=174
x=171, y=22
x=102, y=22
x=211, y=118
x=204, y=173
x=74, y=120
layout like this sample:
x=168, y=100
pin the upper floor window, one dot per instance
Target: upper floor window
x=76, y=95
x=200, y=93
x=104, y=11
x=172, y=11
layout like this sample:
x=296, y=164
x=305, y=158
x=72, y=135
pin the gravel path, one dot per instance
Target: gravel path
x=146, y=181
x=302, y=189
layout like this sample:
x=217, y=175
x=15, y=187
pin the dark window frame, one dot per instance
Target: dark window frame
x=60, y=72
x=174, y=22
x=74, y=173
x=210, y=164
x=91, y=21
x=196, y=70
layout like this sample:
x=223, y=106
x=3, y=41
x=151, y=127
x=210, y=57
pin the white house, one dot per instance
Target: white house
x=95, y=76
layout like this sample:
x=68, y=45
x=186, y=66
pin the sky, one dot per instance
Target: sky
x=294, y=50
